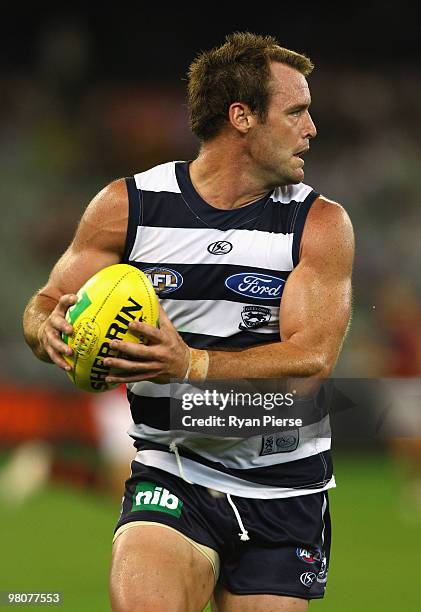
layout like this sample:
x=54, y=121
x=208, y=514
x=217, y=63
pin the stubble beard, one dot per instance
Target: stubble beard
x=290, y=177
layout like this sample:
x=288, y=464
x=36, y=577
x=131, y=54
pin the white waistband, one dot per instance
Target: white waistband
x=220, y=481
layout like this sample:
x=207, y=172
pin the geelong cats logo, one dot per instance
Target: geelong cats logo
x=254, y=317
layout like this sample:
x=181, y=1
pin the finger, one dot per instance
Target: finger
x=120, y=363
x=151, y=333
x=128, y=378
x=57, y=343
x=57, y=359
x=59, y=323
x=142, y=352
x=164, y=320
x=66, y=300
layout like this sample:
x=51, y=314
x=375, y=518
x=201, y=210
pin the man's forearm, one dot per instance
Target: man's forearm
x=276, y=360
x=36, y=313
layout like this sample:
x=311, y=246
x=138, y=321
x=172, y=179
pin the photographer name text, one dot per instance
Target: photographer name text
x=265, y=420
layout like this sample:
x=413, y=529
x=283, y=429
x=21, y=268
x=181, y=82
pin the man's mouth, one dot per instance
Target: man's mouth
x=302, y=152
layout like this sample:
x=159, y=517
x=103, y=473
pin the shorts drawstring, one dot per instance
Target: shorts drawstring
x=244, y=535
x=174, y=449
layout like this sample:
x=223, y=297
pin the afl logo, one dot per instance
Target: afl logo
x=259, y=286
x=164, y=280
x=221, y=247
x=307, y=555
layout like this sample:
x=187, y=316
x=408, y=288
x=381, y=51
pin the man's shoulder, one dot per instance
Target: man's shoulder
x=328, y=229
x=159, y=178
x=327, y=211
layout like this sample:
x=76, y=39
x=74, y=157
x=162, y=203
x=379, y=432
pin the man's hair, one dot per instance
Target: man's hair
x=237, y=71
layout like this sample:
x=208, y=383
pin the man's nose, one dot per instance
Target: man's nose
x=311, y=131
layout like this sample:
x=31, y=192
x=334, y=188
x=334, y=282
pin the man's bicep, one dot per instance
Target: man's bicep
x=98, y=242
x=315, y=309
x=316, y=303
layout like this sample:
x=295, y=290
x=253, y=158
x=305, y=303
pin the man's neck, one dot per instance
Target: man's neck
x=223, y=177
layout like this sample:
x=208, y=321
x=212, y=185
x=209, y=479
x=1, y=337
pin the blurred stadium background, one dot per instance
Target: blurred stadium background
x=88, y=97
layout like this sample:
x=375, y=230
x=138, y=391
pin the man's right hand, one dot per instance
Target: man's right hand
x=49, y=333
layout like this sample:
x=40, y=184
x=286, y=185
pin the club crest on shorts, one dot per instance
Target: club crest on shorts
x=149, y=496
x=254, y=317
x=164, y=280
x=307, y=579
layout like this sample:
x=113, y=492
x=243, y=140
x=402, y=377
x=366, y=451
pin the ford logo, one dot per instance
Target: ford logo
x=260, y=286
x=164, y=280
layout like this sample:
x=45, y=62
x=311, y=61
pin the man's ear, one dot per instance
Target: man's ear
x=241, y=117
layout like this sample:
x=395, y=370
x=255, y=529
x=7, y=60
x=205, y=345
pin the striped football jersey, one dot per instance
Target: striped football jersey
x=220, y=275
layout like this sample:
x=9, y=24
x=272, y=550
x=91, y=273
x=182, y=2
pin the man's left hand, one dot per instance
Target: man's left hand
x=165, y=357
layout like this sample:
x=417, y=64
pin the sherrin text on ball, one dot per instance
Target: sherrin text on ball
x=107, y=303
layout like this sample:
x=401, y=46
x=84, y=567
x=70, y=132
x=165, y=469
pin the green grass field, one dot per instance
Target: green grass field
x=60, y=541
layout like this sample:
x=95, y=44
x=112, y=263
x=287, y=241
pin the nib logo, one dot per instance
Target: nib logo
x=148, y=496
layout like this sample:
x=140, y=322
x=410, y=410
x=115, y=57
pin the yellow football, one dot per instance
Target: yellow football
x=106, y=304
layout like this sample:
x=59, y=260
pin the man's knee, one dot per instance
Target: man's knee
x=146, y=602
x=138, y=591
x=155, y=569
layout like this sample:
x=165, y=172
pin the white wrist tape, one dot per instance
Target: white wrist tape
x=198, y=365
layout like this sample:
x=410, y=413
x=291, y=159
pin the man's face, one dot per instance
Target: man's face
x=278, y=143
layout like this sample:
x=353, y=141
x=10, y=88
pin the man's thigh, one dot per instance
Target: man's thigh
x=156, y=568
x=229, y=602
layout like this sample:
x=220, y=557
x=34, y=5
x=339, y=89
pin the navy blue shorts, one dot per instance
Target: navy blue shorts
x=289, y=545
